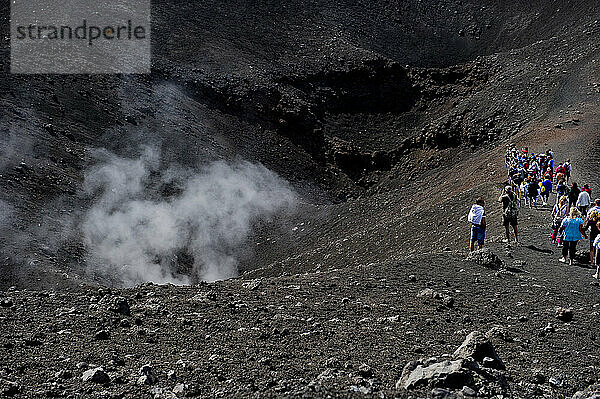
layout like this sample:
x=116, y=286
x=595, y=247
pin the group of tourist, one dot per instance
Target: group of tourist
x=533, y=177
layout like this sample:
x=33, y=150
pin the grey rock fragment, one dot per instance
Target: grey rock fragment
x=147, y=376
x=179, y=389
x=486, y=258
x=97, y=375
x=564, y=314
x=115, y=304
x=478, y=347
x=64, y=374
x=445, y=373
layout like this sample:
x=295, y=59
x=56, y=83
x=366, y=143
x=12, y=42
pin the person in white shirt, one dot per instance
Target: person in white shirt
x=583, y=202
x=478, y=223
x=568, y=169
x=596, y=207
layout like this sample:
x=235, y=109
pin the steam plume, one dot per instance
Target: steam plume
x=144, y=219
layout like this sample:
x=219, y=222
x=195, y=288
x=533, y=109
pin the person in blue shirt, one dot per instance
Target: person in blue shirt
x=573, y=231
x=546, y=189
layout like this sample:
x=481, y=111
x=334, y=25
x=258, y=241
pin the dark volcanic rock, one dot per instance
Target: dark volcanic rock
x=96, y=375
x=464, y=372
x=102, y=335
x=365, y=371
x=485, y=257
x=36, y=339
x=428, y=293
x=564, y=314
x=9, y=388
x=452, y=374
x=147, y=375
x=115, y=304
x=64, y=374
x=477, y=346
x=6, y=303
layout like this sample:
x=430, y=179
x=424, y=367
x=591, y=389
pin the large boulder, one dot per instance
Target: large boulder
x=476, y=367
x=451, y=374
x=480, y=349
x=486, y=258
x=97, y=375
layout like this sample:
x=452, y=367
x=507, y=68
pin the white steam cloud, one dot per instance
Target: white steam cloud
x=135, y=232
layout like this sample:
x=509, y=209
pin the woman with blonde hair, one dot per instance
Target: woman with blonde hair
x=592, y=224
x=597, y=248
x=559, y=213
x=572, y=227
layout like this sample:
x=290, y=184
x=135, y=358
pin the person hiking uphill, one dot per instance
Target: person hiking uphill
x=597, y=250
x=510, y=212
x=559, y=213
x=592, y=224
x=572, y=227
x=478, y=224
x=573, y=195
x=532, y=192
x=562, y=190
x=596, y=207
x=546, y=189
x=561, y=173
x=583, y=201
x=568, y=169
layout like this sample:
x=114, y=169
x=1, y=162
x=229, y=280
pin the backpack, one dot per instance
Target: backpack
x=561, y=213
x=512, y=209
x=562, y=190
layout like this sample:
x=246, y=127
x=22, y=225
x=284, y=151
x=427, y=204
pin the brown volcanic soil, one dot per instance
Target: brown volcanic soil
x=388, y=119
